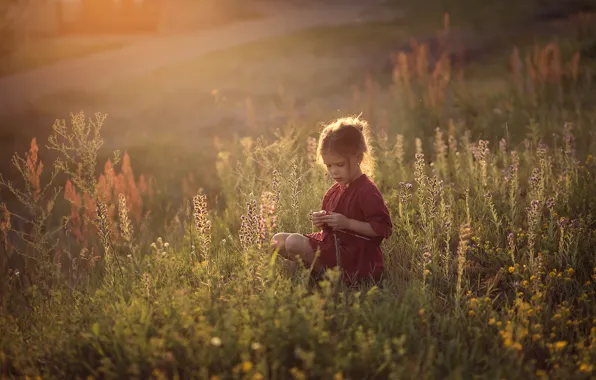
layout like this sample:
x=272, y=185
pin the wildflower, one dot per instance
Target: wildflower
x=503, y=146
x=511, y=269
x=201, y=219
x=491, y=322
x=399, y=149
x=125, y=224
x=550, y=204
x=246, y=366
x=216, y=341
x=560, y=345
x=311, y=149
x=584, y=367
x=256, y=346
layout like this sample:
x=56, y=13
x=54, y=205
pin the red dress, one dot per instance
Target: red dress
x=359, y=256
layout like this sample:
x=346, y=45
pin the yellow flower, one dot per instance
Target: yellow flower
x=297, y=374
x=570, y=271
x=560, y=345
x=246, y=366
x=586, y=368
x=507, y=342
x=491, y=321
x=216, y=341
x=338, y=376
x=257, y=376
x=471, y=313
x=511, y=269
x=517, y=346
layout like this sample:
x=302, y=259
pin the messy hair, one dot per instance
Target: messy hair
x=347, y=136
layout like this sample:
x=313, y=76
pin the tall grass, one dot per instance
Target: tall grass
x=489, y=272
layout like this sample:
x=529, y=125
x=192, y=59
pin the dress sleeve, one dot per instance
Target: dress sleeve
x=376, y=213
x=324, y=201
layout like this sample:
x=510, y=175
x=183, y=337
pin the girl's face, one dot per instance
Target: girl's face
x=342, y=169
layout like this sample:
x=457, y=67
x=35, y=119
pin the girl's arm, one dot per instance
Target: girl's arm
x=363, y=228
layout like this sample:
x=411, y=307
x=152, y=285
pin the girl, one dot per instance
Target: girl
x=354, y=219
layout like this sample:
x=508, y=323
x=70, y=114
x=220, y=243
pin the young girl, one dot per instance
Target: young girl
x=354, y=219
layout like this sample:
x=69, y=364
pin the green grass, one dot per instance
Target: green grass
x=490, y=271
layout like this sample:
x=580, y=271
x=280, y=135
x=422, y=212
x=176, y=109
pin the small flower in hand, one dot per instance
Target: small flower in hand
x=316, y=218
x=336, y=221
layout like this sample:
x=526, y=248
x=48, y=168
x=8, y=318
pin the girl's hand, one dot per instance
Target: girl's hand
x=336, y=221
x=317, y=218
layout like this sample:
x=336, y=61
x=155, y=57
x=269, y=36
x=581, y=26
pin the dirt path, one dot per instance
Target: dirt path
x=98, y=72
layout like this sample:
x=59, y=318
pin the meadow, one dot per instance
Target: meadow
x=490, y=270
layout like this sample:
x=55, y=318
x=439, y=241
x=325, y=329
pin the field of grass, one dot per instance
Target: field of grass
x=490, y=270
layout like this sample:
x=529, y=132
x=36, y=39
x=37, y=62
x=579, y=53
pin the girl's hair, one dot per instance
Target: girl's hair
x=347, y=136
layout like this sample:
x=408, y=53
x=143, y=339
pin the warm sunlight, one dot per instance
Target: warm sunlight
x=297, y=189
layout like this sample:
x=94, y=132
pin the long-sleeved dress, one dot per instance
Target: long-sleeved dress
x=359, y=256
